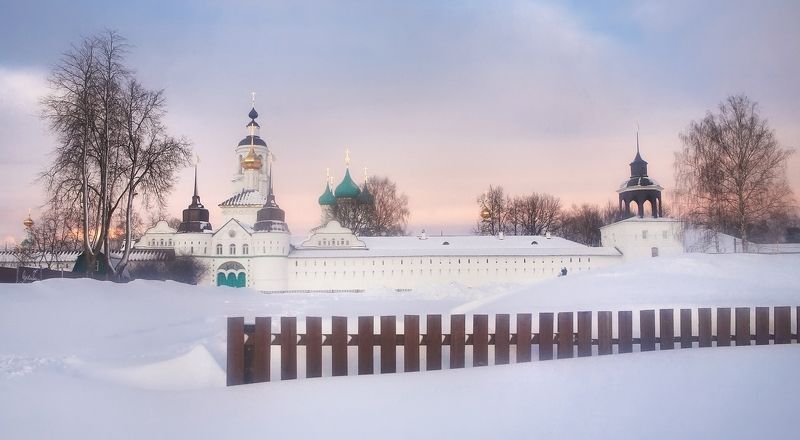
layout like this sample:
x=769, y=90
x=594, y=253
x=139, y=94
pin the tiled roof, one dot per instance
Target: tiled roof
x=248, y=197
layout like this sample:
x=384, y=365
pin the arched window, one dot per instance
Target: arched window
x=232, y=249
x=245, y=249
x=219, y=249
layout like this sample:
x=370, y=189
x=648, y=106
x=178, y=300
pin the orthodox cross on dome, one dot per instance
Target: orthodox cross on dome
x=637, y=137
x=253, y=99
x=347, y=157
x=366, y=176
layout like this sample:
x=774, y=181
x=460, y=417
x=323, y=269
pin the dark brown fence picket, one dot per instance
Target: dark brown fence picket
x=388, y=344
x=250, y=346
x=411, y=343
x=704, y=327
x=433, y=343
x=262, y=340
x=480, y=340
x=566, y=342
x=524, y=337
x=605, y=333
x=584, y=334
x=723, y=326
x=742, y=326
x=545, y=336
x=666, y=326
x=502, y=339
x=783, y=324
x=313, y=346
x=458, y=339
x=339, y=346
x=762, y=325
x=686, y=328
x=647, y=330
x=366, y=330
x=288, y=347
x=625, y=330
x=235, y=361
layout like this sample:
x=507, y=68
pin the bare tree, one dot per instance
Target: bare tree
x=493, y=206
x=539, y=213
x=731, y=172
x=389, y=215
x=582, y=224
x=353, y=214
x=57, y=232
x=112, y=147
x=381, y=210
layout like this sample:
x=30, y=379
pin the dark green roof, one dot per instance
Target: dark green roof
x=348, y=188
x=327, y=198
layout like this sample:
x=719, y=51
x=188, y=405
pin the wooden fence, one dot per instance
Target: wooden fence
x=249, y=345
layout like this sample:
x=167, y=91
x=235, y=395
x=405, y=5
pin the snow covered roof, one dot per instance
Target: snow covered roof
x=637, y=219
x=248, y=197
x=456, y=245
x=136, y=255
x=161, y=227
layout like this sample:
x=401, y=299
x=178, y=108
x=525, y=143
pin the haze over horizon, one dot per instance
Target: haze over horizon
x=443, y=98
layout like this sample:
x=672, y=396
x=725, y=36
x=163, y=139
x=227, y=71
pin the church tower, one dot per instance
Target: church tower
x=640, y=188
x=251, y=178
x=252, y=146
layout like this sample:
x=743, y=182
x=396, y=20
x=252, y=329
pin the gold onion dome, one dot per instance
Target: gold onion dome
x=251, y=161
x=28, y=222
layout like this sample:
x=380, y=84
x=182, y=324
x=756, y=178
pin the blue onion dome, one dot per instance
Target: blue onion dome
x=327, y=198
x=348, y=188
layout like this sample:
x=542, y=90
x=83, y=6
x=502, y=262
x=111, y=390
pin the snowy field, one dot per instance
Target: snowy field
x=86, y=359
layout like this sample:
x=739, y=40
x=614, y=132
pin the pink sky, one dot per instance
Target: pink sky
x=443, y=100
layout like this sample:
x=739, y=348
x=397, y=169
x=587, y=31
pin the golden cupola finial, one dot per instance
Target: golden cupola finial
x=251, y=161
x=28, y=223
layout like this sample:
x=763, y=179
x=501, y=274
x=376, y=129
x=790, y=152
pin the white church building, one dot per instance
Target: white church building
x=254, y=248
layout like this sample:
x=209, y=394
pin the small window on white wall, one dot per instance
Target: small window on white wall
x=245, y=249
x=219, y=249
x=644, y=234
x=232, y=249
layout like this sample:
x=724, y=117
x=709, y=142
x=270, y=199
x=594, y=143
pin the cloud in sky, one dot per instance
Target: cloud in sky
x=443, y=97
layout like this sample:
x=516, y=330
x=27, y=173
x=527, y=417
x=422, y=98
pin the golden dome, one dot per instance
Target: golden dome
x=28, y=222
x=251, y=161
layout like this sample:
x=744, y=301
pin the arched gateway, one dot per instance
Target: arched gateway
x=231, y=274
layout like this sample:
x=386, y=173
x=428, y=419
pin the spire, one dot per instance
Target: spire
x=270, y=194
x=639, y=165
x=195, y=217
x=196, y=196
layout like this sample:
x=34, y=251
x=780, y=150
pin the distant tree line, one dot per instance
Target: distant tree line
x=542, y=213
x=730, y=177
